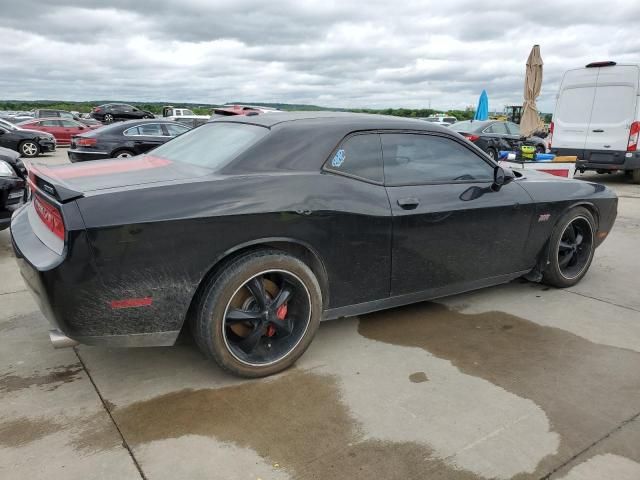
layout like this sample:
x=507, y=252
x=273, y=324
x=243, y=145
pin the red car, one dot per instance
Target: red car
x=61, y=128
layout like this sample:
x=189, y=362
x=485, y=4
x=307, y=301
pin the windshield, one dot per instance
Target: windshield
x=465, y=126
x=212, y=145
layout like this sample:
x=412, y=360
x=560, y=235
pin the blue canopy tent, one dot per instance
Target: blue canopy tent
x=482, y=112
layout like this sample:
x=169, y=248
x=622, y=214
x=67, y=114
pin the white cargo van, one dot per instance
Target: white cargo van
x=597, y=118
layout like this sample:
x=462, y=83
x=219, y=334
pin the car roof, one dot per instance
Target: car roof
x=348, y=120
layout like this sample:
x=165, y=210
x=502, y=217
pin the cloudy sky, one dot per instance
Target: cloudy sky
x=332, y=53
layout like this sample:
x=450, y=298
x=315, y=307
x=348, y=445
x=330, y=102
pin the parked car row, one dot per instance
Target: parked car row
x=495, y=135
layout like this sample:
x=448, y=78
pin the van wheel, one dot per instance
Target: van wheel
x=259, y=315
x=572, y=245
x=635, y=176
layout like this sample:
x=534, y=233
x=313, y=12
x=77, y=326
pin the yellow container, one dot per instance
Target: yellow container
x=528, y=151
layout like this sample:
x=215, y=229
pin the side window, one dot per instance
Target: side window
x=50, y=123
x=360, y=156
x=131, y=131
x=150, y=130
x=514, y=129
x=499, y=128
x=175, y=130
x=68, y=124
x=411, y=159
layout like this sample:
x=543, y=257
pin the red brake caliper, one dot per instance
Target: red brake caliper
x=281, y=314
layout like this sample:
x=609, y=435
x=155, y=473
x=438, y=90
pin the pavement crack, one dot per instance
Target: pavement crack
x=16, y=291
x=125, y=444
x=591, y=445
x=604, y=301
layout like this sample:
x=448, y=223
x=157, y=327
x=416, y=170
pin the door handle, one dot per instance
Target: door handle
x=409, y=203
x=598, y=130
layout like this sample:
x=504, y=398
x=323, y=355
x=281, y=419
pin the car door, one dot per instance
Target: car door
x=118, y=111
x=54, y=127
x=357, y=225
x=451, y=229
x=147, y=136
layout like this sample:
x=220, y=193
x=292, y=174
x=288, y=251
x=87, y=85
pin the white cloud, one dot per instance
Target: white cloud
x=333, y=53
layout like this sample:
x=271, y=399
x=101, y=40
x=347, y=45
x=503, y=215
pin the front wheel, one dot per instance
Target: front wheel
x=572, y=245
x=29, y=149
x=259, y=315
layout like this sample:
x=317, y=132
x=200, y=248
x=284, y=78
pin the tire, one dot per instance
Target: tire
x=29, y=148
x=541, y=148
x=123, y=154
x=635, y=176
x=601, y=171
x=270, y=342
x=108, y=118
x=562, y=248
x=493, y=154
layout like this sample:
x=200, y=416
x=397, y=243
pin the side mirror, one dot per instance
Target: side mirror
x=501, y=177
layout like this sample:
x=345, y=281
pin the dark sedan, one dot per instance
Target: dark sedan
x=254, y=228
x=12, y=185
x=114, y=112
x=29, y=143
x=124, y=139
x=491, y=136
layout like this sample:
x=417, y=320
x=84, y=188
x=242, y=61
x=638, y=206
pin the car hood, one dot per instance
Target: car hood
x=96, y=175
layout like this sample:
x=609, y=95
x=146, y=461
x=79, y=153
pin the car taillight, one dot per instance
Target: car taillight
x=472, y=138
x=50, y=216
x=86, y=142
x=634, y=133
x=550, y=136
x=96, y=109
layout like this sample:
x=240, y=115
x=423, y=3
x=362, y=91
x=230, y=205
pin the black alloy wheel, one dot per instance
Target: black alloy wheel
x=571, y=248
x=258, y=314
x=267, y=317
x=575, y=248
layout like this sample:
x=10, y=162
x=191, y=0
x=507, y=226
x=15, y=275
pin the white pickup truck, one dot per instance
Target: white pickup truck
x=183, y=115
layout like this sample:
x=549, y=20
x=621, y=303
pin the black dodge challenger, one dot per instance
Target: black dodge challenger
x=255, y=228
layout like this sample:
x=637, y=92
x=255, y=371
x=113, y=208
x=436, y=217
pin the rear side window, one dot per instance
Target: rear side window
x=359, y=156
x=50, y=123
x=175, y=130
x=150, y=130
x=413, y=159
x=212, y=145
x=499, y=128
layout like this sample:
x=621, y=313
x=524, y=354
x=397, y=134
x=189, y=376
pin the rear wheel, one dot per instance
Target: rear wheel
x=572, y=245
x=108, y=118
x=259, y=315
x=492, y=153
x=29, y=149
x=123, y=154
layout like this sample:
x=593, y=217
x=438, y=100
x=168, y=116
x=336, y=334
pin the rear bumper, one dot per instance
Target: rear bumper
x=76, y=155
x=602, y=159
x=72, y=296
x=46, y=146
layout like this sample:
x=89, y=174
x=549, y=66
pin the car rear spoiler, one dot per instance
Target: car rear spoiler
x=40, y=179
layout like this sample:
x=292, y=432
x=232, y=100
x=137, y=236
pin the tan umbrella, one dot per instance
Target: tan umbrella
x=530, y=121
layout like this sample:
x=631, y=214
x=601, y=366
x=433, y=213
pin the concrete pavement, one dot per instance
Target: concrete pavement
x=518, y=381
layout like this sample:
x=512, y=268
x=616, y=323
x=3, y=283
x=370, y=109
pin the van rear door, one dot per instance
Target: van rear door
x=573, y=109
x=614, y=109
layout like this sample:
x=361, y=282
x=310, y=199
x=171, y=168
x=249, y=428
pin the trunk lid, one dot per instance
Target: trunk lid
x=70, y=181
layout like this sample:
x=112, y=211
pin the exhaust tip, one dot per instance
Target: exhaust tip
x=60, y=340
